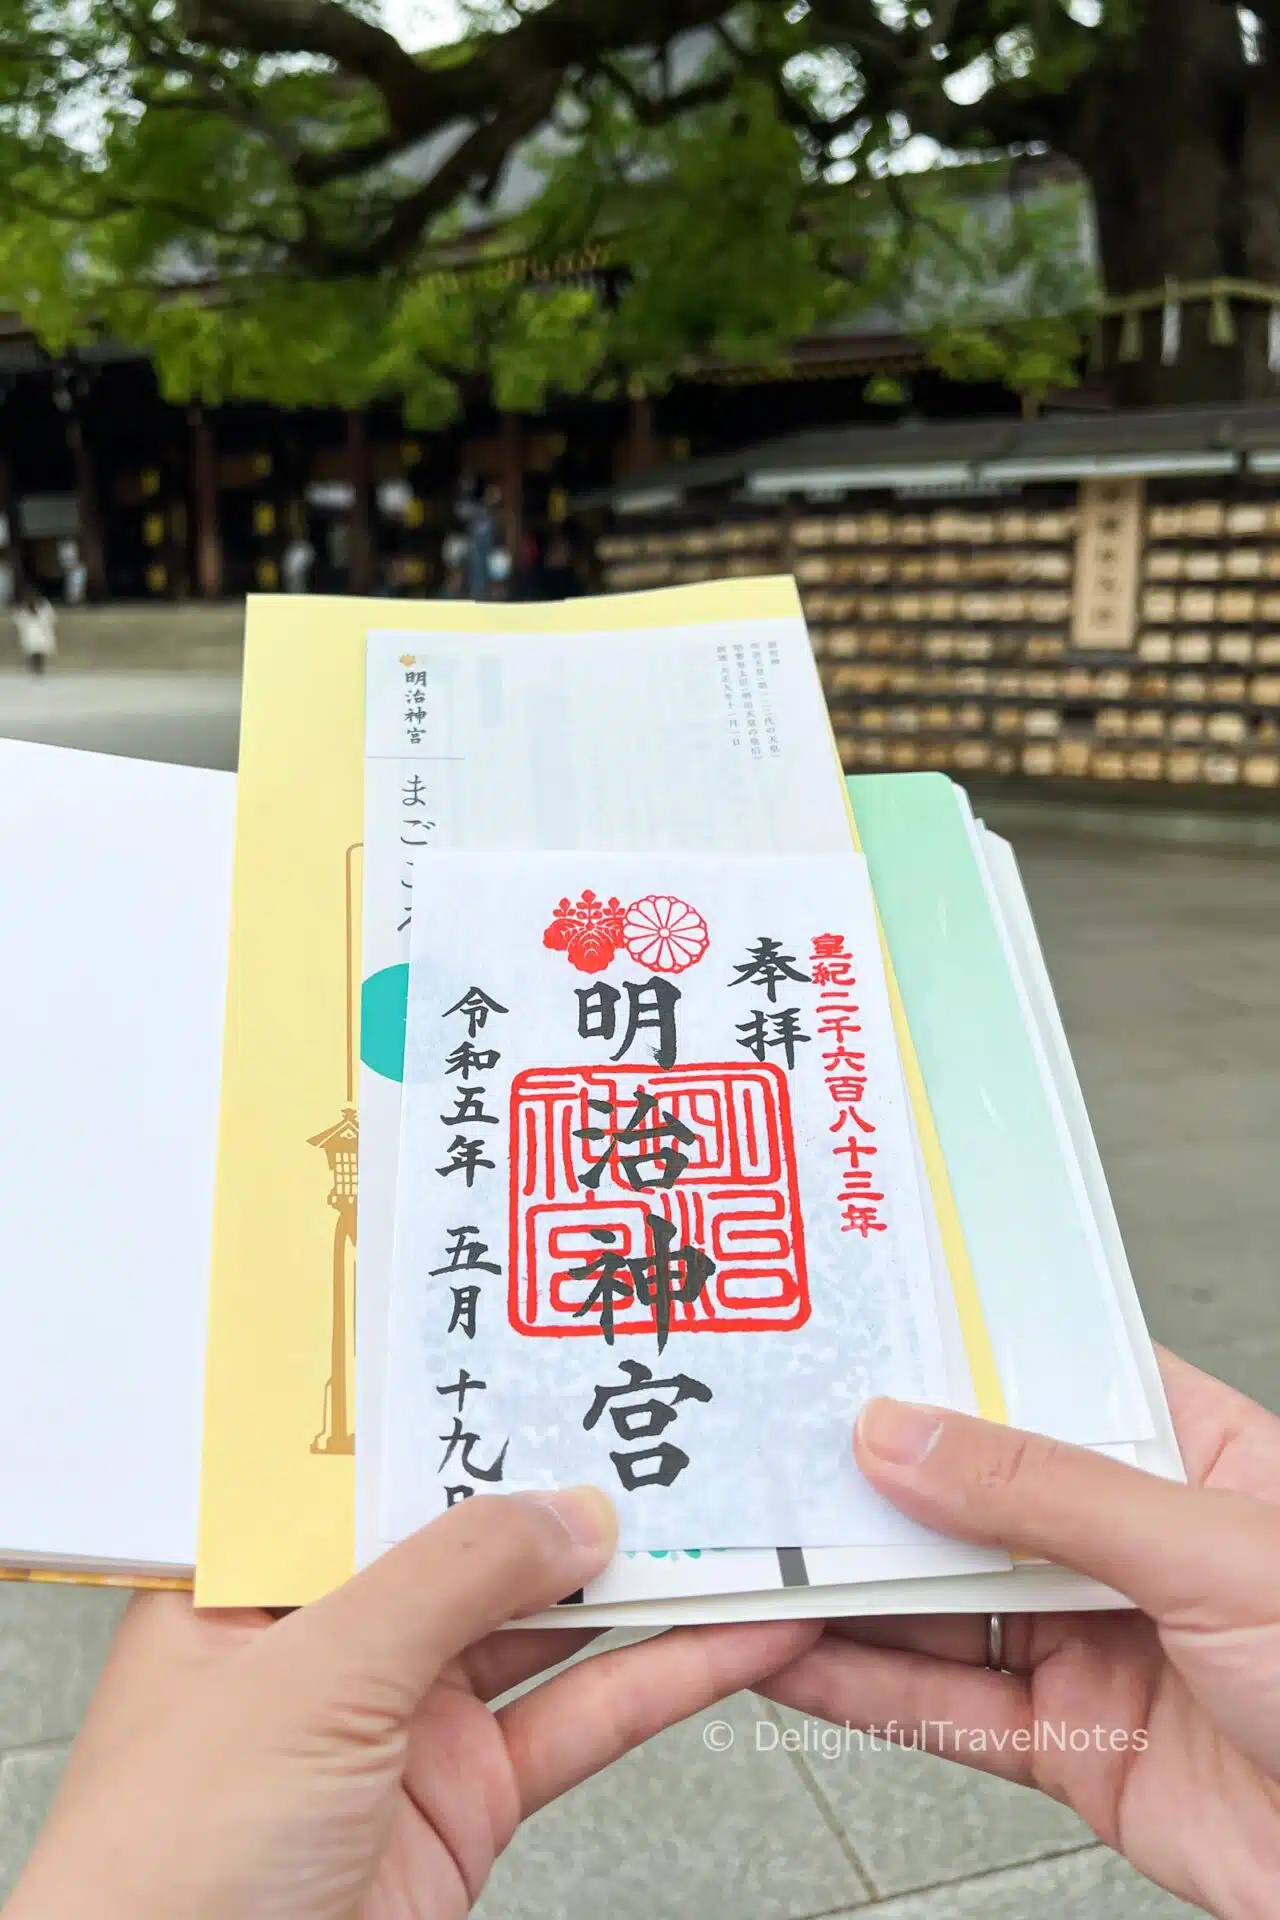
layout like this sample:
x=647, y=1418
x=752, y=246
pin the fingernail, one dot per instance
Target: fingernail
x=899, y=1434
x=587, y=1515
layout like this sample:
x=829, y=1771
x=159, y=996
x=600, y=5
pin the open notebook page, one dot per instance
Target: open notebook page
x=116, y=877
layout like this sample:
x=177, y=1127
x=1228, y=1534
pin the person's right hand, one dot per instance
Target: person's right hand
x=346, y=1761
x=1170, y=1716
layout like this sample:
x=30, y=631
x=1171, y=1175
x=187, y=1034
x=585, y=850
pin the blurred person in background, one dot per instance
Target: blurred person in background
x=37, y=629
x=75, y=574
x=296, y=563
x=479, y=516
x=501, y=582
x=453, y=560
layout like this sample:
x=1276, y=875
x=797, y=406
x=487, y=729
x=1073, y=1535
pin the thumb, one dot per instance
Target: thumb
x=391, y=1629
x=1184, y=1555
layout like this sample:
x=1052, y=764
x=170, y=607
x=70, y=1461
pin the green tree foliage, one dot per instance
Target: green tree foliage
x=274, y=198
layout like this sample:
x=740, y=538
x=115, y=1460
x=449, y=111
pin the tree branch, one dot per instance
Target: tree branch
x=420, y=95
x=659, y=111
x=481, y=156
x=210, y=87
x=1006, y=115
x=324, y=28
x=107, y=206
x=503, y=90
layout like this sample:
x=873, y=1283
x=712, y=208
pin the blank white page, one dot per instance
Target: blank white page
x=114, y=888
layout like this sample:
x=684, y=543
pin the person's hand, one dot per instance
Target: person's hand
x=1170, y=1716
x=344, y=1761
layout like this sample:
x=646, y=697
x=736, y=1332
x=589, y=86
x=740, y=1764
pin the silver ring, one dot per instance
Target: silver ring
x=995, y=1642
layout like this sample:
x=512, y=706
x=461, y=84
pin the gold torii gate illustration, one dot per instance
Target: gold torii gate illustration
x=340, y=1144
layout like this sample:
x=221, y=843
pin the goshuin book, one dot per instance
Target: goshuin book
x=626, y=819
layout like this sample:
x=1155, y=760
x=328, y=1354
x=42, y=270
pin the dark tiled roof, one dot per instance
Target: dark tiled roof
x=1057, y=438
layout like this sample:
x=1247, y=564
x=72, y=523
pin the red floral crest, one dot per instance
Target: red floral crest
x=664, y=934
x=660, y=933
x=589, y=933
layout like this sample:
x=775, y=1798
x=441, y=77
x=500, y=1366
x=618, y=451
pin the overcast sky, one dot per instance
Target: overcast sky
x=422, y=23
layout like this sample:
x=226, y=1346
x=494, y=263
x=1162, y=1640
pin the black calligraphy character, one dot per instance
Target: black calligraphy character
x=660, y=1280
x=417, y=826
x=466, y=1060
x=465, y=1157
x=666, y=1279
x=763, y=1031
x=468, y=1442
x=477, y=1006
x=638, y=1145
x=455, y=1495
x=407, y=887
x=597, y=1011
x=470, y=1108
x=766, y=964
x=414, y=788
x=466, y=1256
x=465, y=1302
x=614, y=1286
x=462, y=1386
x=651, y=1006
x=646, y=1421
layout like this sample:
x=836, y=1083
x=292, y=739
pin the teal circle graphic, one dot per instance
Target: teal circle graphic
x=384, y=1007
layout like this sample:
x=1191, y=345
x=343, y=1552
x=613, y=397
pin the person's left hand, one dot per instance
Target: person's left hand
x=344, y=1761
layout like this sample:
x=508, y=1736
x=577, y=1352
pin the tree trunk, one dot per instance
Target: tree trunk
x=1180, y=139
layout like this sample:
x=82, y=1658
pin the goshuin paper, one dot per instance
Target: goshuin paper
x=500, y=741
x=659, y=1225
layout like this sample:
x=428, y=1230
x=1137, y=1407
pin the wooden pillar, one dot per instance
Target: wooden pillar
x=204, y=501
x=9, y=508
x=291, y=490
x=513, y=491
x=175, y=509
x=360, y=567
x=8, y=486
x=642, y=447
x=89, y=541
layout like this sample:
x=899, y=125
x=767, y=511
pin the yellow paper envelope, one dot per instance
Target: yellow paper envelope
x=278, y=1480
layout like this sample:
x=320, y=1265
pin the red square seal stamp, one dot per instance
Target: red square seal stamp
x=619, y=1171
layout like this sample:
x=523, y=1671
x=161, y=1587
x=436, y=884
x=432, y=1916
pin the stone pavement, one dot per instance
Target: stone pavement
x=189, y=718
x=1165, y=962
x=189, y=636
